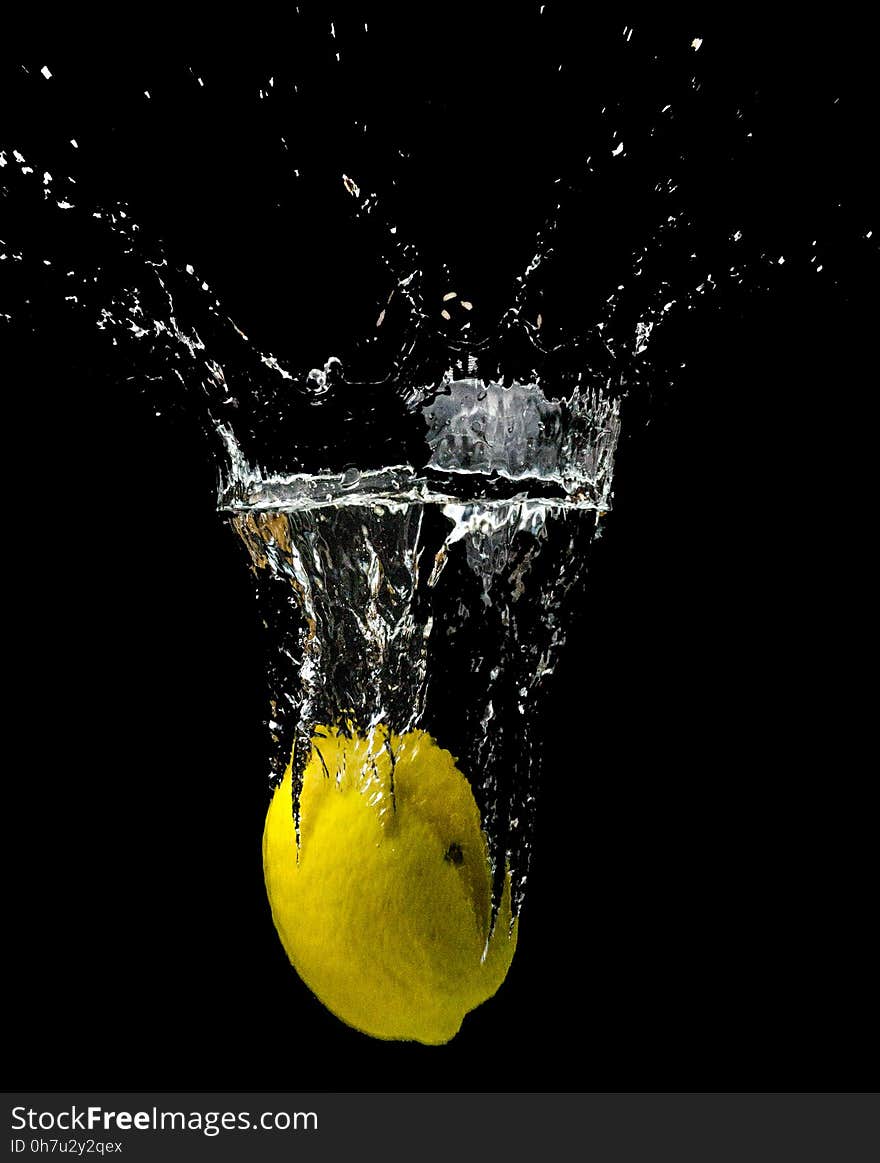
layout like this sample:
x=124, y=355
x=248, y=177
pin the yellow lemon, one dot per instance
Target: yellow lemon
x=385, y=907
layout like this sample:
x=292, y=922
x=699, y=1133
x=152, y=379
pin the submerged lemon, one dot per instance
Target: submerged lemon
x=385, y=908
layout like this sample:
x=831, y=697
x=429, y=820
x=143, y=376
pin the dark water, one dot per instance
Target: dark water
x=702, y=818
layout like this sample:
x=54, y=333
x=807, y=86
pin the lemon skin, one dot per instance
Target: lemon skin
x=384, y=907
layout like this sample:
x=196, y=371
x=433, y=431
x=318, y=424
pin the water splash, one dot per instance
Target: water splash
x=367, y=580
x=393, y=417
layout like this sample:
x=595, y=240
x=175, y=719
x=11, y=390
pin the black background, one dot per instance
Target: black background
x=700, y=895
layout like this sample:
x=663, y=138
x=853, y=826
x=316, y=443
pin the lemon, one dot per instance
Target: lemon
x=384, y=908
